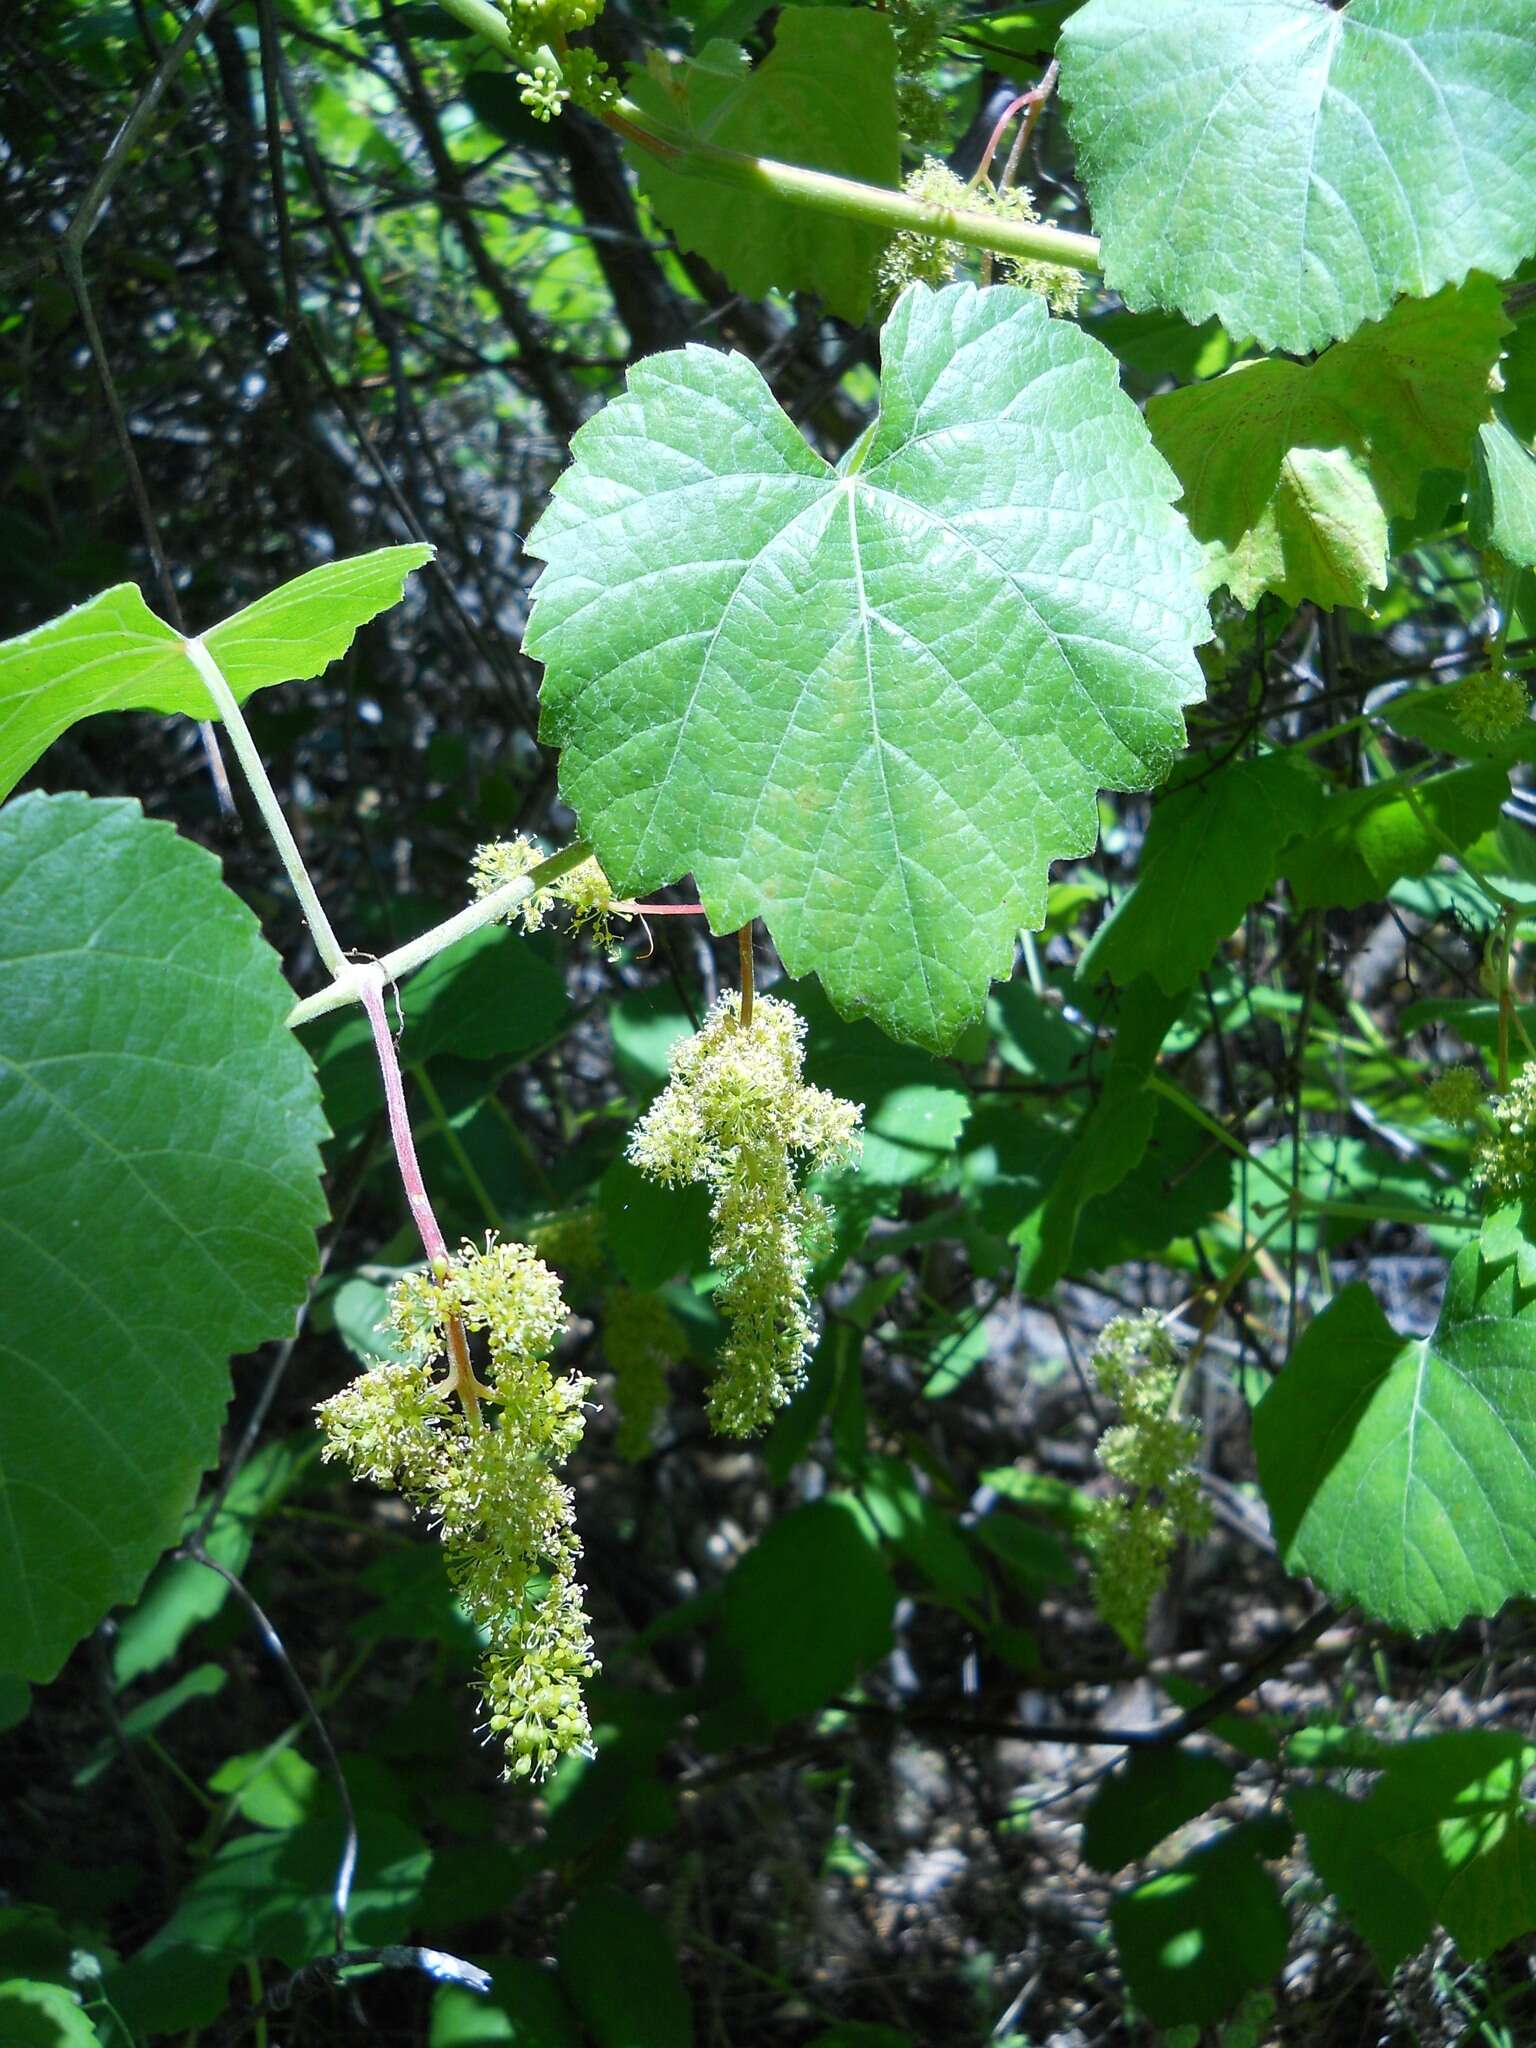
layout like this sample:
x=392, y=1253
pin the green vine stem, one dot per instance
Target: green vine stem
x=816, y=191
x=326, y=943
x=416, y=952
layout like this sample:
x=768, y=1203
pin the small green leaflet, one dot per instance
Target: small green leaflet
x=1293, y=169
x=159, y=1184
x=1444, y=1839
x=1292, y=471
x=1210, y=851
x=114, y=654
x=796, y=107
x=1502, y=508
x=1433, y=1439
x=870, y=704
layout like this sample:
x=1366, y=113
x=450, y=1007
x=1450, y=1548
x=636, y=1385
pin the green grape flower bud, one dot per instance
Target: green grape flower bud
x=1490, y=707
x=1504, y=1161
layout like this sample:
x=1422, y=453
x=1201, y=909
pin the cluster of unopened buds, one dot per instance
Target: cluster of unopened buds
x=478, y=1459
x=1133, y=1533
x=738, y=1116
x=550, y=72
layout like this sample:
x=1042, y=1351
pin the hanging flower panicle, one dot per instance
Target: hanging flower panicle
x=738, y=1117
x=506, y=1521
x=1133, y=1533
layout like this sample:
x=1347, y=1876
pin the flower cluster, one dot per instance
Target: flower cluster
x=913, y=257
x=738, y=1117
x=1490, y=707
x=919, y=28
x=506, y=1521
x=550, y=72
x=641, y=1338
x=1456, y=1094
x=585, y=891
x=1132, y=1534
x=1504, y=1160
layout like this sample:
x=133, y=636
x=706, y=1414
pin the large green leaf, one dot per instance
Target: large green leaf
x=1210, y=851
x=1292, y=471
x=1294, y=169
x=158, y=1197
x=113, y=654
x=1399, y=1475
x=1444, y=1839
x=796, y=106
x=872, y=703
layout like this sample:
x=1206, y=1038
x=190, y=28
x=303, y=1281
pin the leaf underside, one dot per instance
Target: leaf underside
x=870, y=704
x=1293, y=169
x=795, y=106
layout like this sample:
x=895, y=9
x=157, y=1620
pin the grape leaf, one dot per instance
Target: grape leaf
x=1293, y=169
x=114, y=654
x=159, y=1169
x=1371, y=838
x=1291, y=471
x=1433, y=1440
x=1142, y=1803
x=1502, y=507
x=1194, y=1938
x=1443, y=1839
x=870, y=704
x=1210, y=851
x=796, y=106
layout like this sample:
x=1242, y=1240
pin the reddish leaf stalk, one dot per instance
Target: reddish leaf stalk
x=461, y=1378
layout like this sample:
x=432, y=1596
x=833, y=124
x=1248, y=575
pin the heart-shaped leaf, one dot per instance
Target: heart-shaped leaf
x=871, y=704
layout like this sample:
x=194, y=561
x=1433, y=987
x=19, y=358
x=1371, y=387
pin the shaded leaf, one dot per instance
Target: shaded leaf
x=619, y=1968
x=1501, y=512
x=1370, y=838
x=1194, y=1939
x=1143, y=1802
x=1442, y=1840
x=1291, y=471
x=804, y=1612
x=1211, y=850
x=796, y=106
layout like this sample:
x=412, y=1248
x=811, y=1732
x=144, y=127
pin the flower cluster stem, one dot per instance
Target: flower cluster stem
x=461, y=1377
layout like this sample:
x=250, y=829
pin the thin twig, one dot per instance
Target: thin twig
x=346, y=1869
x=744, y=951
